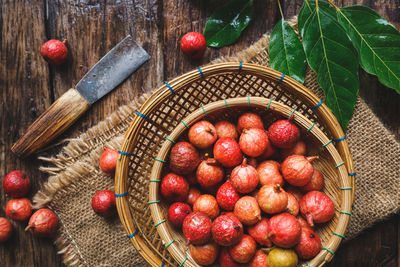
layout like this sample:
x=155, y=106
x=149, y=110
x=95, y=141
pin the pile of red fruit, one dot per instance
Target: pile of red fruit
x=231, y=199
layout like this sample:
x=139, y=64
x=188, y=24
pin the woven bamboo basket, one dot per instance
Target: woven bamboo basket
x=208, y=90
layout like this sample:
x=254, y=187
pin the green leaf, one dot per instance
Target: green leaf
x=377, y=42
x=286, y=53
x=331, y=55
x=227, y=22
x=306, y=10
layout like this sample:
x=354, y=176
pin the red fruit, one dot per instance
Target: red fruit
x=252, y=162
x=316, y=183
x=298, y=149
x=225, y=259
x=228, y=213
x=103, y=203
x=317, y=207
x=272, y=199
x=227, y=152
x=259, y=232
x=202, y=134
x=248, y=121
x=297, y=170
x=303, y=223
x=184, y=158
x=209, y=173
x=193, y=195
x=177, y=212
x=295, y=192
x=227, y=230
x=270, y=151
x=54, y=51
x=247, y=210
x=268, y=172
x=108, y=160
x=208, y=205
x=227, y=196
x=260, y=259
x=204, y=254
x=284, y=230
x=244, y=178
x=19, y=209
x=293, y=205
x=193, y=45
x=16, y=184
x=191, y=179
x=283, y=134
x=5, y=229
x=243, y=251
x=174, y=187
x=43, y=222
x=226, y=129
x=197, y=228
x=253, y=142
x=309, y=244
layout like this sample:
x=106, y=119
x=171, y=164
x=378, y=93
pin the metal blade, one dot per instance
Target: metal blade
x=112, y=69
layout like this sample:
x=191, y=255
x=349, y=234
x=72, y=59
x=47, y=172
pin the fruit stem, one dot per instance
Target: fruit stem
x=267, y=250
x=309, y=219
x=312, y=158
x=211, y=161
x=277, y=188
x=27, y=228
x=244, y=162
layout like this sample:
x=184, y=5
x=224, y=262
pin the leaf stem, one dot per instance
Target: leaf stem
x=316, y=3
x=333, y=4
x=280, y=9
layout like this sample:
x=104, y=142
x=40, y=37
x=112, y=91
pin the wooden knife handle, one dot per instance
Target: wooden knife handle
x=55, y=120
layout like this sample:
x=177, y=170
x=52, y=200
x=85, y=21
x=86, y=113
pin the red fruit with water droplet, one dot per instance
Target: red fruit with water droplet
x=225, y=259
x=247, y=210
x=260, y=259
x=209, y=173
x=259, y=232
x=5, y=229
x=16, y=184
x=253, y=142
x=317, y=207
x=297, y=170
x=103, y=203
x=316, y=182
x=193, y=195
x=227, y=196
x=249, y=120
x=54, y=51
x=227, y=230
x=272, y=199
x=208, y=205
x=196, y=228
x=226, y=129
x=184, y=158
x=177, y=212
x=244, y=178
x=299, y=148
x=244, y=250
x=193, y=45
x=227, y=152
x=19, y=209
x=309, y=245
x=202, y=134
x=284, y=230
x=268, y=172
x=293, y=205
x=43, y=222
x=108, y=160
x=204, y=254
x=283, y=134
x=174, y=187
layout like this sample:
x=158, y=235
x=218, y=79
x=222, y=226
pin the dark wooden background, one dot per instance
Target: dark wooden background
x=28, y=86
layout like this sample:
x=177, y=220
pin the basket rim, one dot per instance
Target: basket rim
x=180, y=82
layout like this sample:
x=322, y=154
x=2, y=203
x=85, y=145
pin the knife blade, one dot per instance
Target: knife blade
x=103, y=77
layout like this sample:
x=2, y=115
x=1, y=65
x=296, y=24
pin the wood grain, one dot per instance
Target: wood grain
x=28, y=86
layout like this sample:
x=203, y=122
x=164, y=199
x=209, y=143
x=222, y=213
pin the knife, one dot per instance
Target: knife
x=110, y=71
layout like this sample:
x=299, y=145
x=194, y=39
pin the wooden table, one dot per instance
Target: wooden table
x=28, y=86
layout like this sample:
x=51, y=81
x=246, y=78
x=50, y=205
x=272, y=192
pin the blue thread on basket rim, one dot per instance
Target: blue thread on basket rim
x=201, y=72
x=226, y=103
x=312, y=125
x=269, y=103
x=160, y=222
x=340, y=139
x=184, y=123
x=330, y=251
x=152, y=202
x=327, y=143
x=345, y=212
x=169, y=87
x=133, y=234
x=240, y=66
x=342, y=236
x=346, y=188
x=169, y=139
x=352, y=174
x=125, y=153
x=141, y=114
x=162, y=264
x=180, y=265
x=167, y=245
x=121, y=195
x=340, y=164
x=291, y=114
x=319, y=104
x=204, y=110
x=281, y=79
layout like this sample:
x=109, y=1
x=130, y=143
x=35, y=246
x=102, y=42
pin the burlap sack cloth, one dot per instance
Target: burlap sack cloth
x=87, y=239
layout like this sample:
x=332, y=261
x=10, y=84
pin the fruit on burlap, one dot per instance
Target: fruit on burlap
x=226, y=129
x=316, y=182
x=174, y=187
x=225, y=259
x=293, y=205
x=204, y=254
x=193, y=45
x=18, y=209
x=283, y=134
x=177, y=212
x=317, y=207
x=5, y=229
x=279, y=257
x=193, y=195
x=196, y=228
x=227, y=196
x=103, y=203
x=268, y=173
x=284, y=230
x=227, y=152
x=16, y=184
x=259, y=232
x=207, y=204
x=260, y=259
x=227, y=230
x=309, y=244
x=244, y=178
x=272, y=199
x=209, y=173
x=108, y=160
x=297, y=170
x=184, y=158
x=43, y=222
x=299, y=148
x=54, y=51
x=253, y=142
x=202, y=134
x=249, y=120
x=247, y=210
x=244, y=250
